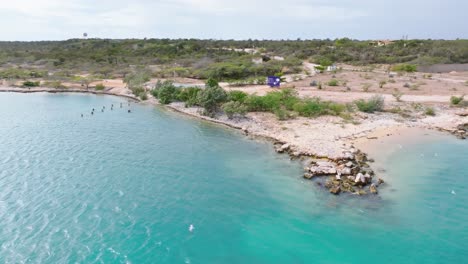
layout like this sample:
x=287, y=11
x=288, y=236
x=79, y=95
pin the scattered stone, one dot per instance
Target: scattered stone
x=373, y=189
x=345, y=171
x=358, y=178
x=348, y=155
x=308, y=175
x=380, y=181
x=349, y=164
x=338, y=177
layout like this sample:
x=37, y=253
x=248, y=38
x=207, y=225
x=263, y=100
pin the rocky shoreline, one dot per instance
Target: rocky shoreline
x=349, y=174
x=461, y=131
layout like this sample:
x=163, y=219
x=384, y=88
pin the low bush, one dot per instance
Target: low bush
x=405, y=68
x=31, y=84
x=211, y=98
x=137, y=91
x=100, y=87
x=144, y=96
x=189, y=95
x=281, y=113
x=430, y=111
x=54, y=84
x=456, y=100
x=374, y=104
x=166, y=92
x=333, y=82
x=315, y=107
x=233, y=107
x=237, y=96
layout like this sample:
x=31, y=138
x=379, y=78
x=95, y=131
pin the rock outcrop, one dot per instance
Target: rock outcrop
x=351, y=174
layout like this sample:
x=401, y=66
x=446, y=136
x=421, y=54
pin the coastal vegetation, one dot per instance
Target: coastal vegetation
x=246, y=61
x=284, y=103
x=374, y=104
x=457, y=100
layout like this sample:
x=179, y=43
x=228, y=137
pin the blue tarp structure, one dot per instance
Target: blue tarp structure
x=274, y=81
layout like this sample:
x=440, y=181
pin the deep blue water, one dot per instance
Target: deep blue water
x=120, y=187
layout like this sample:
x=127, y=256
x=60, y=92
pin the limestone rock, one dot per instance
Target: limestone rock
x=345, y=171
x=359, y=178
x=283, y=148
x=335, y=190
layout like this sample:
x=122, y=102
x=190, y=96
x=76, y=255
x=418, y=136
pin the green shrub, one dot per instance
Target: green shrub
x=272, y=101
x=31, y=84
x=315, y=107
x=233, y=107
x=430, y=111
x=333, y=82
x=375, y=103
x=100, y=87
x=237, y=96
x=144, y=96
x=211, y=97
x=405, y=68
x=456, y=100
x=320, y=68
x=166, y=92
x=211, y=82
x=137, y=90
x=189, y=95
x=54, y=84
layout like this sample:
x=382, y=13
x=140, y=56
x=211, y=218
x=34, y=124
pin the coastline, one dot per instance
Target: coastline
x=326, y=144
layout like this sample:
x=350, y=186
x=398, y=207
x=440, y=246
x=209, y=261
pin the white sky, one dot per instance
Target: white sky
x=240, y=19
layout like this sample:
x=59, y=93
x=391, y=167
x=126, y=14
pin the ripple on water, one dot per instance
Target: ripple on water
x=119, y=188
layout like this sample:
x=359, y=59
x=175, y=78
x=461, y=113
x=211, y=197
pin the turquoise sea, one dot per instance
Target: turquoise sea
x=119, y=187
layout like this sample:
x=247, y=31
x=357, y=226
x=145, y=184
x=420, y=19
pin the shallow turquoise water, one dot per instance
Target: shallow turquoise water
x=123, y=188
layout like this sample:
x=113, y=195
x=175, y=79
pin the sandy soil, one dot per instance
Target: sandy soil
x=357, y=83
